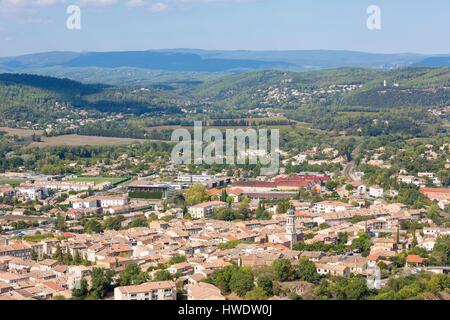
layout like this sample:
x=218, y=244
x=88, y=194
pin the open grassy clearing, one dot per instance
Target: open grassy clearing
x=23, y=133
x=78, y=140
x=99, y=180
x=12, y=182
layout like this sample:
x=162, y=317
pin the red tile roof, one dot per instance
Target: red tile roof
x=414, y=259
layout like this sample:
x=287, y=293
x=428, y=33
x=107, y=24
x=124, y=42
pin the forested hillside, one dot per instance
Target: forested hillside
x=354, y=101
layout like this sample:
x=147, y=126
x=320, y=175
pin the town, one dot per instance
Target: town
x=173, y=235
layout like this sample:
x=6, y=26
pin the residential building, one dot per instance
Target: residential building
x=162, y=290
x=205, y=209
x=331, y=206
x=376, y=192
x=204, y=291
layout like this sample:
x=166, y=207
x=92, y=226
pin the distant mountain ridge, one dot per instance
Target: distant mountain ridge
x=434, y=62
x=213, y=61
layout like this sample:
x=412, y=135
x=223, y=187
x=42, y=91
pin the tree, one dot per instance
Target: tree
x=58, y=254
x=256, y=294
x=101, y=282
x=60, y=223
x=221, y=278
x=343, y=237
x=283, y=207
x=283, y=269
x=362, y=243
x=152, y=217
x=339, y=288
x=306, y=271
x=441, y=251
x=356, y=289
x=225, y=214
x=244, y=208
x=77, y=258
x=68, y=259
x=265, y=283
x=80, y=291
x=178, y=258
x=331, y=185
x=162, y=275
x=85, y=261
x=261, y=213
x=92, y=226
x=241, y=281
x=34, y=255
x=132, y=275
x=113, y=223
x=224, y=196
x=196, y=194
x=138, y=223
x=439, y=283
x=414, y=241
x=434, y=213
x=294, y=296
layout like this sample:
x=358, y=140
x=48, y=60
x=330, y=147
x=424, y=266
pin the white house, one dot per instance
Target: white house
x=331, y=206
x=376, y=192
x=162, y=290
x=102, y=202
x=87, y=203
x=30, y=193
x=205, y=209
x=112, y=201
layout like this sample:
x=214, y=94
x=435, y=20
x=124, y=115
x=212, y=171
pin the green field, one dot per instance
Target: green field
x=99, y=180
x=12, y=182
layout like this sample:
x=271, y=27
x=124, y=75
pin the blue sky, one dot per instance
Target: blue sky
x=28, y=26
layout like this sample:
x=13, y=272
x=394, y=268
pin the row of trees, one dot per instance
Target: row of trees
x=103, y=281
x=262, y=283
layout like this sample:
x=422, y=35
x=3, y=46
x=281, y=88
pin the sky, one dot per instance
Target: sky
x=29, y=26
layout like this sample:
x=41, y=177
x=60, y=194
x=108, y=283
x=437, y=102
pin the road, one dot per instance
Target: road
x=350, y=167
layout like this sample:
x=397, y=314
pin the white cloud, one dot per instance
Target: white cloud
x=164, y=5
x=98, y=3
x=43, y=3
x=29, y=3
x=159, y=7
x=135, y=3
x=211, y=1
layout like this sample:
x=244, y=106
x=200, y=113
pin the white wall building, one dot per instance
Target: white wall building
x=205, y=209
x=376, y=192
x=162, y=290
x=331, y=206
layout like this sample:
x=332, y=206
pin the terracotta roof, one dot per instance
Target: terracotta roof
x=148, y=286
x=373, y=257
x=414, y=259
x=210, y=204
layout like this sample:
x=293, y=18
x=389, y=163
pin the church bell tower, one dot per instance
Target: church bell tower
x=290, y=227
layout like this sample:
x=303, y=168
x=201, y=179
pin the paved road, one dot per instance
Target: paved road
x=350, y=167
x=348, y=171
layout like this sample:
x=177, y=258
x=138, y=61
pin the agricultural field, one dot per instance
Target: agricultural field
x=23, y=133
x=78, y=140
